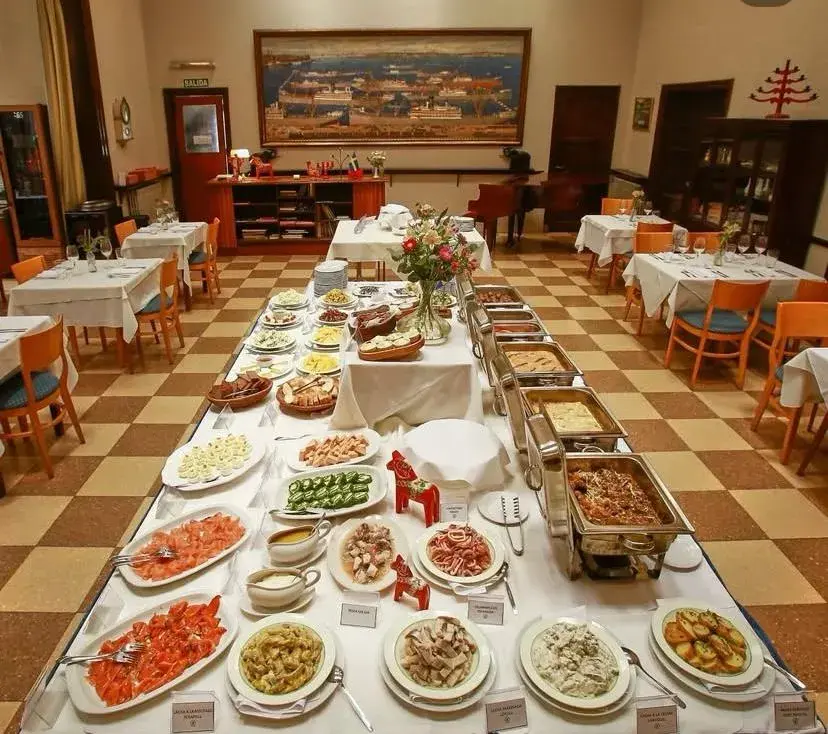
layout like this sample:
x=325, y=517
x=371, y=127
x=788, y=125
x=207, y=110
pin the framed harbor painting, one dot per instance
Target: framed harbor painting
x=449, y=86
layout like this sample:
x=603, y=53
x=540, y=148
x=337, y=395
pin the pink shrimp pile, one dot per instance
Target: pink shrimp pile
x=460, y=551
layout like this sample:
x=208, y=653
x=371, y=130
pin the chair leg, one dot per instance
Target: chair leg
x=629, y=302
x=762, y=406
x=154, y=332
x=208, y=280
x=4, y=422
x=743, y=360
x=593, y=261
x=40, y=438
x=640, y=318
x=611, y=278
x=671, y=343
x=73, y=340
x=23, y=422
x=813, y=416
x=73, y=416
x=86, y=336
x=790, y=435
x=215, y=270
x=178, y=330
x=165, y=332
x=102, y=336
x=812, y=449
x=139, y=345
x=203, y=281
x=694, y=376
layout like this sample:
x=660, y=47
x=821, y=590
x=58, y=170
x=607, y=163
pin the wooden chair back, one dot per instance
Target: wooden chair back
x=39, y=350
x=613, y=206
x=711, y=240
x=169, y=282
x=797, y=320
x=125, y=229
x=654, y=227
x=737, y=296
x=27, y=269
x=211, y=243
x=811, y=290
x=494, y=201
x=652, y=241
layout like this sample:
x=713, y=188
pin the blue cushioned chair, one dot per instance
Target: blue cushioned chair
x=813, y=291
x=203, y=262
x=163, y=310
x=35, y=387
x=721, y=324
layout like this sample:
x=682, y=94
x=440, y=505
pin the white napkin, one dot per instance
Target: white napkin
x=49, y=274
x=702, y=273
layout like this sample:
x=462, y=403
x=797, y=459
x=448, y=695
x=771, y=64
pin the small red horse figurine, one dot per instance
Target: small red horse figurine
x=410, y=585
x=410, y=487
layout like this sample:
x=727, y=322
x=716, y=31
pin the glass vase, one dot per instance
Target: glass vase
x=718, y=257
x=90, y=262
x=434, y=328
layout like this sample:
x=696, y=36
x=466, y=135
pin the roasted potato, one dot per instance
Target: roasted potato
x=675, y=634
x=704, y=650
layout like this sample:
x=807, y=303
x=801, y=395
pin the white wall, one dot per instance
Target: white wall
x=573, y=42
x=21, y=61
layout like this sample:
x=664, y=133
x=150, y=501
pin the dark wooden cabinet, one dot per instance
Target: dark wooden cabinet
x=767, y=175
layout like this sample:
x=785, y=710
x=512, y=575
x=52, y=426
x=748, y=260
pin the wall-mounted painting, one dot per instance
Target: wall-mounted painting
x=642, y=112
x=392, y=86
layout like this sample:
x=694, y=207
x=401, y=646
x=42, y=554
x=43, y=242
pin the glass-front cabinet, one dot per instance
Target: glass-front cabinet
x=29, y=186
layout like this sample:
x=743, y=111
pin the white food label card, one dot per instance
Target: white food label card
x=486, y=608
x=793, y=715
x=190, y=715
x=454, y=507
x=506, y=710
x=657, y=720
x=360, y=612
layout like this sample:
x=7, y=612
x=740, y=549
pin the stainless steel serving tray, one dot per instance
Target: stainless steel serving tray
x=565, y=376
x=536, y=400
x=515, y=299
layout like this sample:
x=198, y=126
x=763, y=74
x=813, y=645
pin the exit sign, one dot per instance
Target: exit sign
x=189, y=83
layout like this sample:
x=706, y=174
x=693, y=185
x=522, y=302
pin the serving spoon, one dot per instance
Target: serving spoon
x=636, y=661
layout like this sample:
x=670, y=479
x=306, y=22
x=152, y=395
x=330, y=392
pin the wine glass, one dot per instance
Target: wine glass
x=773, y=258
x=106, y=248
x=744, y=245
x=648, y=207
x=699, y=246
x=622, y=211
x=118, y=254
x=760, y=246
x=72, y=255
x=683, y=245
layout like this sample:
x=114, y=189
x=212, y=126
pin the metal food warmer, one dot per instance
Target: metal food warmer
x=465, y=296
x=602, y=551
x=508, y=297
x=564, y=376
x=516, y=323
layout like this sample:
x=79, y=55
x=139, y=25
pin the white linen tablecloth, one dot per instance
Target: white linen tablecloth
x=611, y=234
x=539, y=580
x=374, y=243
x=10, y=349
x=671, y=281
x=178, y=239
x=440, y=382
x=90, y=299
x=805, y=377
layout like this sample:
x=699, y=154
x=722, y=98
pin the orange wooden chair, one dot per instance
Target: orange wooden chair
x=125, y=229
x=35, y=388
x=27, y=269
x=721, y=323
x=619, y=262
x=610, y=207
x=204, y=261
x=794, y=320
x=645, y=242
x=806, y=290
x=162, y=309
x=711, y=240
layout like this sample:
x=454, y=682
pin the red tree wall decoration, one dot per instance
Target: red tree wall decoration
x=783, y=90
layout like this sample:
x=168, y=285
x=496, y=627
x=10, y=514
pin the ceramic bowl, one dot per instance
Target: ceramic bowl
x=278, y=587
x=282, y=549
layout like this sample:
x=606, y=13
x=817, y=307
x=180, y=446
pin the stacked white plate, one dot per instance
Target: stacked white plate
x=751, y=682
x=476, y=684
x=328, y=275
x=604, y=704
x=464, y=224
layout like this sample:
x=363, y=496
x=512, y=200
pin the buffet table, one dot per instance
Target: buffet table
x=611, y=234
x=539, y=580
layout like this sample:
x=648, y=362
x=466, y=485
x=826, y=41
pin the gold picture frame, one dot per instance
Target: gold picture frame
x=642, y=112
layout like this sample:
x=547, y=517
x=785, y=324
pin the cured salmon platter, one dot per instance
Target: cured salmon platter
x=180, y=638
x=200, y=538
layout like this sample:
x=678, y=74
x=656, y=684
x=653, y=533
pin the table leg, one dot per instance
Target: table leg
x=188, y=298
x=812, y=449
x=123, y=350
x=59, y=428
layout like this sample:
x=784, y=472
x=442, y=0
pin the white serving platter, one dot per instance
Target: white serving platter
x=342, y=306
x=335, y=562
x=392, y=646
x=292, y=449
x=84, y=696
x=169, y=474
x=332, y=371
x=622, y=682
x=239, y=681
x=274, y=304
x=376, y=492
x=289, y=343
x=496, y=551
x=133, y=579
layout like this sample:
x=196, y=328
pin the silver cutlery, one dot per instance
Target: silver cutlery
x=163, y=553
x=483, y=586
x=337, y=676
x=688, y=273
x=293, y=438
x=12, y=331
x=636, y=661
x=508, y=587
x=770, y=662
x=125, y=654
x=315, y=511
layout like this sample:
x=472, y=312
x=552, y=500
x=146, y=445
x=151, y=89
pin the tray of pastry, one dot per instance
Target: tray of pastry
x=540, y=362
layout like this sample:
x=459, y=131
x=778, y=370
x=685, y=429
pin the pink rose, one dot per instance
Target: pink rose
x=409, y=244
x=445, y=254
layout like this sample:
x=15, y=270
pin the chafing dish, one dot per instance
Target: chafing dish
x=564, y=376
x=484, y=346
x=515, y=300
x=509, y=338
x=465, y=296
x=516, y=323
x=604, y=551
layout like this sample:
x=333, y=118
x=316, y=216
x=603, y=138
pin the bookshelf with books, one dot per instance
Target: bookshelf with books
x=286, y=214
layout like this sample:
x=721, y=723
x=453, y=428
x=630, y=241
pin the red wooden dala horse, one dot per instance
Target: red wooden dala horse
x=411, y=487
x=407, y=583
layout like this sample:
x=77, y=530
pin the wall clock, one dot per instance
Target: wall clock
x=123, y=120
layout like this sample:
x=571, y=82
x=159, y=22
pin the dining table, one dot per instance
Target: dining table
x=685, y=282
x=613, y=234
x=805, y=378
x=110, y=296
x=178, y=240
x=12, y=328
x=538, y=581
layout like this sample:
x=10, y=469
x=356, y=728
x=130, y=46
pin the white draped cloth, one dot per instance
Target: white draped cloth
x=178, y=240
x=10, y=346
x=805, y=377
x=611, y=234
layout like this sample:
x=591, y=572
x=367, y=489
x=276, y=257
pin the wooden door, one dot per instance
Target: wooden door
x=682, y=111
x=580, y=152
x=198, y=134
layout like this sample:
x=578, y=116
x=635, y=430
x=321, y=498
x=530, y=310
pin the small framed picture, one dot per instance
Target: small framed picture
x=642, y=112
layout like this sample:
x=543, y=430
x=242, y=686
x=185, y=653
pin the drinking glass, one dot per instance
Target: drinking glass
x=744, y=244
x=72, y=255
x=730, y=253
x=760, y=246
x=683, y=245
x=648, y=207
x=118, y=254
x=622, y=211
x=106, y=248
x=699, y=246
x=773, y=258
x=668, y=252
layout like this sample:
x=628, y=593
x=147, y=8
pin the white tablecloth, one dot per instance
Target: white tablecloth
x=539, y=580
x=10, y=349
x=441, y=382
x=608, y=235
x=805, y=377
x=90, y=299
x=374, y=244
x=660, y=280
x=179, y=240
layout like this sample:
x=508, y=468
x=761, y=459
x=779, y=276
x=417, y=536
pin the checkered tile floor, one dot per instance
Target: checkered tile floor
x=764, y=528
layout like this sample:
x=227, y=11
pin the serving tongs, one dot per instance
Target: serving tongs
x=508, y=523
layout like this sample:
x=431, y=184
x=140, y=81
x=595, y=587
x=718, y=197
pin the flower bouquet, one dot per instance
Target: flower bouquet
x=377, y=159
x=728, y=232
x=433, y=252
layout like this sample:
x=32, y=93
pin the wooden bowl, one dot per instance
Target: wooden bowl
x=307, y=410
x=393, y=354
x=242, y=401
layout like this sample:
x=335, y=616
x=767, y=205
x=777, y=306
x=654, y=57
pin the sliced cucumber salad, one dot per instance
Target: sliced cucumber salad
x=334, y=491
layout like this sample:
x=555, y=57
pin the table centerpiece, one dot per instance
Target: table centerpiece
x=433, y=252
x=728, y=232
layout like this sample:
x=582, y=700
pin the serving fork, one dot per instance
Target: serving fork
x=164, y=552
x=125, y=654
